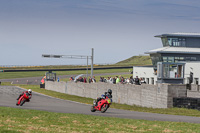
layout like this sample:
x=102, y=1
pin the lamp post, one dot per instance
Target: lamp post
x=74, y=57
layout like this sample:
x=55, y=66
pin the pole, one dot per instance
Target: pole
x=87, y=68
x=92, y=59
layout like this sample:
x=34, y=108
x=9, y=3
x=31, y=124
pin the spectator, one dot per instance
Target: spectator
x=81, y=79
x=101, y=79
x=114, y=80
x=127, y=81
x=137, y=81
x=71, y=79
x=90, y=80
x=142, y=81
x=122, y=81
x=110, y=80
x=93, y=79
x=85, y=80
x=104, y=80
x=131, y=80
x=117, y=80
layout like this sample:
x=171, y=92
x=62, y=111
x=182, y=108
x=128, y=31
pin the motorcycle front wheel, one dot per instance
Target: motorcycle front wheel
x=22, y=102
x=104, y=108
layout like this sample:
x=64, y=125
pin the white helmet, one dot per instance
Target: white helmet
x=29, y=91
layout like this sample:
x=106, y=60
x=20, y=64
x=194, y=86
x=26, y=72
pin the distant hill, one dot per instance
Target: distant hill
x=136, y=60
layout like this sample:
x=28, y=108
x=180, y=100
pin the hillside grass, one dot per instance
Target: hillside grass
x=15, y=120
x=136, y=61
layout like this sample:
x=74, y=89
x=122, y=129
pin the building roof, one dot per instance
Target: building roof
x=180, y=34
x=177, y=50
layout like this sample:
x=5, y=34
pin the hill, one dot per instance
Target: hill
x=136, y=60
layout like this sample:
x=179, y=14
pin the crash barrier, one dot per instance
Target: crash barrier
x=187, y=102
x=146, y=95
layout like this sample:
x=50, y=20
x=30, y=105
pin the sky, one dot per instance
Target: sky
x=116, y=29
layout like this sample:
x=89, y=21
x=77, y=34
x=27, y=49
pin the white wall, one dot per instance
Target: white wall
x=192, y=67
x=145, y=72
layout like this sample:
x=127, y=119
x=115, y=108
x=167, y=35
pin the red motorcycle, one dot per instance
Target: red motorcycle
x=102, y=105
x=24, y=98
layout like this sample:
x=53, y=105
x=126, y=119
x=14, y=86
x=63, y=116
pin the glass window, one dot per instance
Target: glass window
x=155, y=58
x=170, y=59
x=159, y=70
x=176, y=42
x=165, y=71
x=172, y=71
x=180, y=71
x=164, y=59
x=187, y=58
x=181, y=58
x=164, y=41
x=193, y=58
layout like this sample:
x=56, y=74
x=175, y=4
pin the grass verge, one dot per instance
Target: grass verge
x=22, y=120
x=171, y=111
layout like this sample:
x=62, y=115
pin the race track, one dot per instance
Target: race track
x=8, y=95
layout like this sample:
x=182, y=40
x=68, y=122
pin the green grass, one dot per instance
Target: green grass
x=14, y=120
x=10, y=75
x=171, y=111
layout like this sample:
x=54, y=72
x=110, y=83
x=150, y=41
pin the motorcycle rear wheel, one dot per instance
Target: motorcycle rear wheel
x=92, y=109
x=104, y=108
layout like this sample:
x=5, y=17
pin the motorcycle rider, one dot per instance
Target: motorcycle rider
x=107, y=94
x=28, y=93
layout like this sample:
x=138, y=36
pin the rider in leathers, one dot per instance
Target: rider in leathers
x=28, y=93
x=107, y=94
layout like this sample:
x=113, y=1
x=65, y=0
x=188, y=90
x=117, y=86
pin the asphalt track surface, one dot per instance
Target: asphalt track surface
x=8, y=95
x=37, y=80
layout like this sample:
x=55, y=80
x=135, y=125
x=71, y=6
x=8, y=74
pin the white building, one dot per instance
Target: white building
x=175, y=62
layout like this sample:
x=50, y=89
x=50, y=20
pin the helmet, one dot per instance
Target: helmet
x=29, y=91
x=110, y=91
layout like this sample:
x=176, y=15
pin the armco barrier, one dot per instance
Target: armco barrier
x=187, y=102
x=155, y=96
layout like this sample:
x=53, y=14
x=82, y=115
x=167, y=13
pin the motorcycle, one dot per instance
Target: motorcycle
x=102, y=105
x=24, y=98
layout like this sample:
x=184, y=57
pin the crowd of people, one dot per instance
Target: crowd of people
x=122, y=80
x=84, y=79
x=112, y=80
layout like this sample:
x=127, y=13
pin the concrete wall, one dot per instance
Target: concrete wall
x=176, y=90
x=194, y=92
x=155, y=96
x=56, y=86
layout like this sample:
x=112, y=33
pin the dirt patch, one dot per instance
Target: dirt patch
x=35, y=117
x=168, y=131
